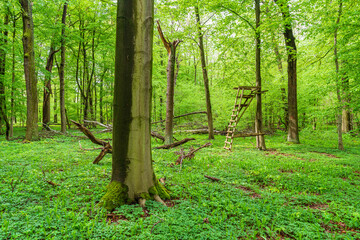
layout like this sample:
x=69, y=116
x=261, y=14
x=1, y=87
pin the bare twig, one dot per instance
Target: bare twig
x=14, y=184
x=212, y=178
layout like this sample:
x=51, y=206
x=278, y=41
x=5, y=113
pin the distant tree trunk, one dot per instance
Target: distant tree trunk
x=133, y=176
x=346, y=116
x=32, y=132
x=205, y=75
x=282, y=89
x=338, y=83
x=3, y=43
x=55, y=105
x=62, y=70
x=171, y=49
x=47, y=87
x=293, y=130
x=101, y=94
x=12, y=106
x=260, y=140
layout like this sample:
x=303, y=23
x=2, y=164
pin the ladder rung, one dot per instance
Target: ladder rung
x=246, y=96
x=242, y=105
x=232, y=120
x=228, y=142
x=231, y=126
x=227, y=148
x=234, y=115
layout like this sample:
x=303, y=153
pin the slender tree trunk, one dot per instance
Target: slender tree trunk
x=55, y=105
x=260, y=140
x=346, y=116
x=47, y=87
x=132, y=172
x=101, y=98
x=338, y=82
x=3, y=43
x=171, y=49
x=12, y=106
x=205, y=75
x=32, y=132
x=62, y=70
x=293, y=129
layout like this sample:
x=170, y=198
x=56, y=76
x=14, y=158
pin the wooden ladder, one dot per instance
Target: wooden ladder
x=244, y=96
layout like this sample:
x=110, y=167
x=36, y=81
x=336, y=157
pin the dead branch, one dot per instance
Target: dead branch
x=212, y=178
x=190, y=154
x=107, y=126
x=175, y=144
x=89, y=134
x=13, y=184
x=48, y=181
x=88, y=149
x=183, y=115
x=107, y=148
x=157, y=135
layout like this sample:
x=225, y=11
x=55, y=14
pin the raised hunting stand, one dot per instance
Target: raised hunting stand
x=244, y=96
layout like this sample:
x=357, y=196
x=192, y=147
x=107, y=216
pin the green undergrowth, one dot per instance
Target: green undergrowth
x=49, y=190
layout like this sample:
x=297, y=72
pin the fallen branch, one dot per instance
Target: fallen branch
x=157, y=135
x=106, y=147
x=89, y=134
x=48, y=181
x=190, y=154
x=175, y=144
x=212, y=178
x=88, y=149
x=183, y=115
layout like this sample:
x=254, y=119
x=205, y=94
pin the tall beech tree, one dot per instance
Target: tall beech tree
x=3, y=43
x=338, y=81
x=205, y=74
x=260, y=140
x=32, y=131
x=62, y=70
x=293, y=129
x=171, y=77
x=47, y=86
x=133, y=176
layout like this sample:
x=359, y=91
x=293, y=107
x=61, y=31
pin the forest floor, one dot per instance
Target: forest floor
x=49, y=190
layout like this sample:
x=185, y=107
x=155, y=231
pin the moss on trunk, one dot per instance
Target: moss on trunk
x=115, y=196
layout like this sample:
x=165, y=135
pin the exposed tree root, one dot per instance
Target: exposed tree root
x=158, y=199
x=142, y=202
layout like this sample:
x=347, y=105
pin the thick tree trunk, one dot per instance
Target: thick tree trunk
x=32, y=132
x=171, y=49
x=205, y=75
x=338, y=83
x=47, y=87
x=62, y=70
x=260, y=140
x=133, y=176
x=293, y=129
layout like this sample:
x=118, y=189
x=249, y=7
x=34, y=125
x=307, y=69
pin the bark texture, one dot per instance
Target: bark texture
x=132, y=172
x=32, y=132
x=205, y=75
x=3, y=43
x=260, y=140
x=171, y=77
x=293, y=129
x=47, y=87
x=62, y=70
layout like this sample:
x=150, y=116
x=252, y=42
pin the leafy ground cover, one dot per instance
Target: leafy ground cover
x=49, y=190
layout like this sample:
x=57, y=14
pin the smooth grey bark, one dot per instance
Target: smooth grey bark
x=32, y=132
x=260, y=140
x=13, y=79
x=132, y=172
x=205, y=75
x=293, y=129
